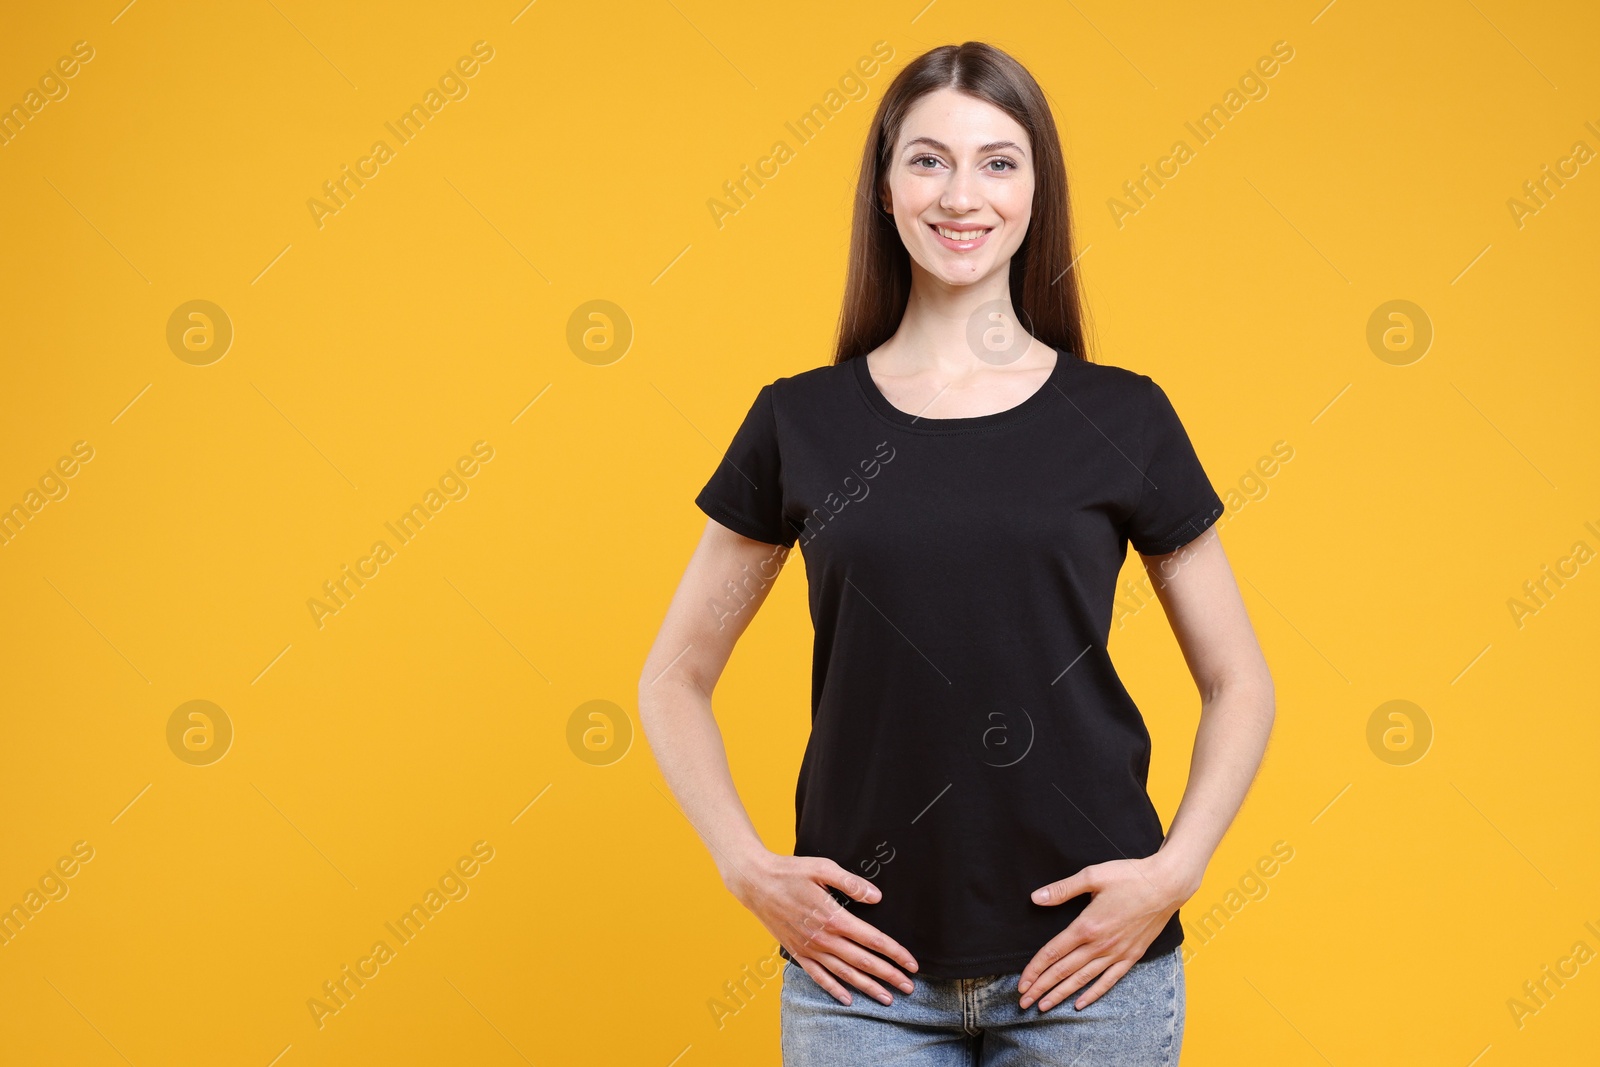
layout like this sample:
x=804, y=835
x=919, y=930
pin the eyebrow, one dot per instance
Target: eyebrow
x=992, y=146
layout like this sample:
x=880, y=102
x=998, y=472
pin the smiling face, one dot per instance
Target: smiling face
x=960, y=186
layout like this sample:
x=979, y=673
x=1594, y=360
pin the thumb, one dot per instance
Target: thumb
x=1064, y=890
x=854, y=886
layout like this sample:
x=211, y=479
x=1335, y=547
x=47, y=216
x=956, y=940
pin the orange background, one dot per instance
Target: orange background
x=443, y=704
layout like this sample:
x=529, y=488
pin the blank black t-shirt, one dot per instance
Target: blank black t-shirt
x=970, y=738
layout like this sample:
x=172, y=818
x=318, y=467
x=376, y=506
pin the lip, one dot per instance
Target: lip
x=960, y=246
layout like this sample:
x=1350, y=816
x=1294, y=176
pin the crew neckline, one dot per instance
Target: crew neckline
x=921, y=423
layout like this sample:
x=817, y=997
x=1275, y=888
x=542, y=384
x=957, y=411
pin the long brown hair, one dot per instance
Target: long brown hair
x=1044, y=291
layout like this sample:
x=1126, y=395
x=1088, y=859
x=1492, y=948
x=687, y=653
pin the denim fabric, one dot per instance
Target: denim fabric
x=975, y=1022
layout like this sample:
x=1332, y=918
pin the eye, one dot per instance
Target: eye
x=1009, y=164
x=922, y=159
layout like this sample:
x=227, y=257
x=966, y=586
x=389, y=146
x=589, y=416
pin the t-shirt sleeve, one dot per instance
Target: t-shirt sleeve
x=745, y=492
x=1177, y=502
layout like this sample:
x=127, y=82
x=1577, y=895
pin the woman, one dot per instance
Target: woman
x=972, y=804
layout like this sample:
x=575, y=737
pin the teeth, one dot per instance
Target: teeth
x=961, y=235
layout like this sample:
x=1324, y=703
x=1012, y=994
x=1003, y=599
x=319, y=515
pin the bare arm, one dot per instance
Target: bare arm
x=1237, y=702
x=702, y=624
x=726, y=581
x=1134, y=899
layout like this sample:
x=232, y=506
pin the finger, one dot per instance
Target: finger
x=1075, y=981
x=858, y=956
x=853, y=885
x=1111, y=977
x=850, y=974
x=820, y=975
x=862, y=932
x=1064, y=967
x=1060, y=892
x=1076, y=935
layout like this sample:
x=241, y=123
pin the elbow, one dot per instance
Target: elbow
x=664, y=684
x=1249, y=689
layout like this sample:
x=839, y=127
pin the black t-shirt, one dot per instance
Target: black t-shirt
x=970, y=739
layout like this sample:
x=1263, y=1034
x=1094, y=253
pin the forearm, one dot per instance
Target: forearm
x=683, y=734
x=1229, y=743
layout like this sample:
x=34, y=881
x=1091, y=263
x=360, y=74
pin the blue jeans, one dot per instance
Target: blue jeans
x=975, y=1022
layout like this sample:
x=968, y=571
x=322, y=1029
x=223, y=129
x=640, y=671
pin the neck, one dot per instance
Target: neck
x=943, y=322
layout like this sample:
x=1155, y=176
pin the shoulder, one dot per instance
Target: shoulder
x=1118, y=393
x=813, y=385
x=1110, y=377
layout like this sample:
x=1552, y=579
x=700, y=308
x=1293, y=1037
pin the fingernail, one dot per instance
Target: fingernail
x=1022, y=987
x=1040, y=896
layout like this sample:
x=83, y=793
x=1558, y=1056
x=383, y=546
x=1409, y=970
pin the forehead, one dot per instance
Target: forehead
x=962, y=123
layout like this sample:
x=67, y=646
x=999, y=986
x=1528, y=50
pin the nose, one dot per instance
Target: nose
x=960, y=192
